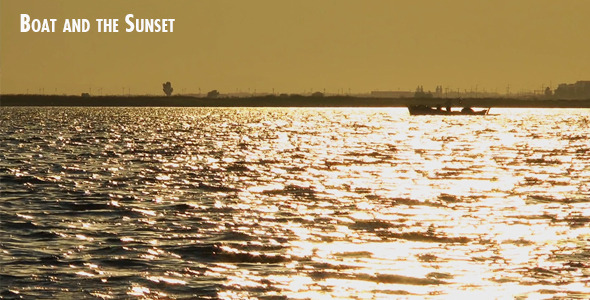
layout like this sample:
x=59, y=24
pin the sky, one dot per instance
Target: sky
x=298, y=46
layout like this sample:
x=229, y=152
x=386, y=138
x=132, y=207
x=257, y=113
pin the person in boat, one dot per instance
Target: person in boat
x=449, y=104
x=467, y=109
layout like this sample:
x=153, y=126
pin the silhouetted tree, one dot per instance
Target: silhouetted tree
x=213, y=94
x=167, y=88
x=548, y=92
x=317, y=94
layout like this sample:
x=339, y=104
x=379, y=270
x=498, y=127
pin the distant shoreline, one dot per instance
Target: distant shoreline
x=281, y=101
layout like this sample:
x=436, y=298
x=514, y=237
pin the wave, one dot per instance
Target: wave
x=292, y=190
x=126, y=263
x=81, y=206
x=424, y=237
x=25, y=179
x=217, y=252
x=379, y=278
x=219, y=188
x=412, y=202
x=372, y=225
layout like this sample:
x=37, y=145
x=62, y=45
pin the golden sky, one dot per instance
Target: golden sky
x=297, y=46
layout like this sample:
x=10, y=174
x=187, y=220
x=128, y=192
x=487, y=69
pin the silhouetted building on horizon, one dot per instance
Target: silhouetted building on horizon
x=578, y=90
x=439, y=91
x=213, y=94
x=421, y=94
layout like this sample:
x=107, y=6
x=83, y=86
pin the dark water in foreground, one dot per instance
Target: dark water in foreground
x=295, y=203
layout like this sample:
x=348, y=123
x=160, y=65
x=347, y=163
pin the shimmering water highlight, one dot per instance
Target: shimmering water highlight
x=295, y=203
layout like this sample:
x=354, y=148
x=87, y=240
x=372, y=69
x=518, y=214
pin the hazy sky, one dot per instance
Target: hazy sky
x=296, y=46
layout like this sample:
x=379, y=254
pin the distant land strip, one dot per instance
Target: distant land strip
x=282, y=101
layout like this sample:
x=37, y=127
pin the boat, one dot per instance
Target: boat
x=421, y=110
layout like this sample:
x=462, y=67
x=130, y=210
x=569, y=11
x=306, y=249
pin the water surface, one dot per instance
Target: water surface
x=295, y=203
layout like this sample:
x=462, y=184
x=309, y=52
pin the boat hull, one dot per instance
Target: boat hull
x=427, y=111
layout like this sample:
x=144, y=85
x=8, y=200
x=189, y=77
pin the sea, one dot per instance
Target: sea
x=293, y=203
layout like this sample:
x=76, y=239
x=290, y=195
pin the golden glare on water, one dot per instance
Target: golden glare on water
x=309, y=204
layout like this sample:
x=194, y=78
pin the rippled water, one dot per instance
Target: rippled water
x=294, y=203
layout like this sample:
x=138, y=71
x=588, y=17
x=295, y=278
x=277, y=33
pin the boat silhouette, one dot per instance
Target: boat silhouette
x=417, y=110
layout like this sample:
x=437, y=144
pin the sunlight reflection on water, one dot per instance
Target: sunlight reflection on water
x=303, y=203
